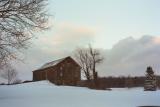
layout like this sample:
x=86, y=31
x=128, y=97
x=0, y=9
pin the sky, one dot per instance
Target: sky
x=110, y=20
x=127, y=33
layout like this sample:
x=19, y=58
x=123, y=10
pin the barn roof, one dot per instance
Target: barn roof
x=53, y=63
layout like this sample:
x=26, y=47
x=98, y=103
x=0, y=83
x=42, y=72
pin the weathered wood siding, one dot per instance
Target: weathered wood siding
x=67, y=72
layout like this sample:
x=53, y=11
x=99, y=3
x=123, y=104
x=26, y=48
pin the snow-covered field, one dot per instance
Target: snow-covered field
x=45, y=94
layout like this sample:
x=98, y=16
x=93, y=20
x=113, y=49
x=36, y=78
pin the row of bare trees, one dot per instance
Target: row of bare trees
x=119, y=82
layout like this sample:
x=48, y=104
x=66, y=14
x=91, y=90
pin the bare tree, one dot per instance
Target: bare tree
x=89, y=58
x=83, y=59
x=95, y=59
x=9, y=73
x=18, y=21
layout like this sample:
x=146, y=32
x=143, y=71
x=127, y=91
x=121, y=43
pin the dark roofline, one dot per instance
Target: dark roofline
x=62, y=59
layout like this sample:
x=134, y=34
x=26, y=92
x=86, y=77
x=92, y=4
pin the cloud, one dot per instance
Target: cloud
x=65, y=37
x=156, y=40
x=131, y=57
x=69, y=35
x=50, y=46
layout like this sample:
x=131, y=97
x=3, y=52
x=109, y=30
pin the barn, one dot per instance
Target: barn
x=65, y=71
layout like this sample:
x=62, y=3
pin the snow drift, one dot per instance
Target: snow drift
x=45, y=94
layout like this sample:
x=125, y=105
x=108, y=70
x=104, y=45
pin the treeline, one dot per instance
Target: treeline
x=116, y=82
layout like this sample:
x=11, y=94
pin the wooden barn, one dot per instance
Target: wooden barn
x=64, y=71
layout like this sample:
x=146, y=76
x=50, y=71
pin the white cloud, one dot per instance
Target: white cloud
x=66, y=36
x=131, y=57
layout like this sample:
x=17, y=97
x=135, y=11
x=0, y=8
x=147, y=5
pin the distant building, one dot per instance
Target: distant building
x=64, y=71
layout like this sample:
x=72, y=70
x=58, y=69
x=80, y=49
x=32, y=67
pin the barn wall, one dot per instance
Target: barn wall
x=69, y=72
x=38, y=75
x=65, y=73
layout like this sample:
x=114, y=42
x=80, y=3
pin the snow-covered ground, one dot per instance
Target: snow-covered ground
x=45, y=94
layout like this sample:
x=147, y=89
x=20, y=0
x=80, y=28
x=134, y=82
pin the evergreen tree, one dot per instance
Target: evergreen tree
x=150, y=82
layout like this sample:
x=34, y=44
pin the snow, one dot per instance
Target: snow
x=45, y=94
x=53, y=63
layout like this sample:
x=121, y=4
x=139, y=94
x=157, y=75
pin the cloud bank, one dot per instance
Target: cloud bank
x=131, y=57
x=128, y=57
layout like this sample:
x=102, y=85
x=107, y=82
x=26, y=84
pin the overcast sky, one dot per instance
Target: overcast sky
x=118, y=28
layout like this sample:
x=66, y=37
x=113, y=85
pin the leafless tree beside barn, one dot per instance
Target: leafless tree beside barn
x=89, y=58
x=18, y=21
